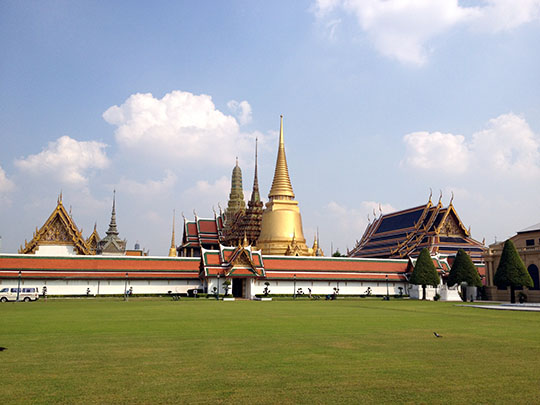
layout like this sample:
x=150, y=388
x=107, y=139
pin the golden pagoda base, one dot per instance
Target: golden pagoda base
x=281, y=230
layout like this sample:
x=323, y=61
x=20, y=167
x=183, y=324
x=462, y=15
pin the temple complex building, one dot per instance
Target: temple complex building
x=527, y=243
x=60, y=236
x=275, y=230
x=405, y=233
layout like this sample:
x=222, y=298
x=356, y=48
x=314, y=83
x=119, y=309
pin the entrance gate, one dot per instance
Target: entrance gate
x=238, y=287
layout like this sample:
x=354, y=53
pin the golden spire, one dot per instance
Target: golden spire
x=172, y=250
x=281, y=185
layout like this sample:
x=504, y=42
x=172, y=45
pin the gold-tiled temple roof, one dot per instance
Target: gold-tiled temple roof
x=59, y=229
x=93, y=240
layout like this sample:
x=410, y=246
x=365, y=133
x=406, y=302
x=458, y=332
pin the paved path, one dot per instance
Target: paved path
x=507, y=307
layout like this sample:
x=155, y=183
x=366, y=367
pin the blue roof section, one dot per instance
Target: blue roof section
x=392, y=236
x=400, y=221
x=437, y=221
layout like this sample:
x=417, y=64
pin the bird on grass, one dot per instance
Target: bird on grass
x=437, y=335
x=2, y=349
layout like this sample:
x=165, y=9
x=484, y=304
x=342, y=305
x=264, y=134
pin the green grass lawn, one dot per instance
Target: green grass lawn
x=94, y=351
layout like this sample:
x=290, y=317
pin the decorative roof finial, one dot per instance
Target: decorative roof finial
x=440, y=197
x=451, y=199
x=59, y=200
x=430, y=194
x=380, y=209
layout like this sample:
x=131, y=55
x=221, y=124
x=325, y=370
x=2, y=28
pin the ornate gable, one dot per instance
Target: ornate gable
x=92, y=241
x=451, y=225
x=59, y=229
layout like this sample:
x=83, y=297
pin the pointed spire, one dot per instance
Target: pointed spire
x=236, y=196
x=255, y=196
x=172, y=250
x=281, y=185
x=113, y=230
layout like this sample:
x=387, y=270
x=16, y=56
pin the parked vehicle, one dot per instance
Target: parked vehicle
x=26, y=294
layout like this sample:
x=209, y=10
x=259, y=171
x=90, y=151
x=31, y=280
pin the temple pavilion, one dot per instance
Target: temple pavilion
x=405, y=233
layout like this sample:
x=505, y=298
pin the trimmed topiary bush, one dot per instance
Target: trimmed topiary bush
x=424, y=272
x=511, y=271
x=464, y=270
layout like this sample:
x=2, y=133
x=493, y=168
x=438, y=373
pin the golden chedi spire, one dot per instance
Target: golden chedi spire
x=281, y=225
x=281, y=185
x=172, y=250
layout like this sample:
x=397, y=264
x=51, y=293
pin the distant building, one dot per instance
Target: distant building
x=60, y=236
x=527, y=242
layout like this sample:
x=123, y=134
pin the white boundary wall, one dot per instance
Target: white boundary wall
x=106, y=287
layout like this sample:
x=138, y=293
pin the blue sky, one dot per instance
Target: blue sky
x=382, y=100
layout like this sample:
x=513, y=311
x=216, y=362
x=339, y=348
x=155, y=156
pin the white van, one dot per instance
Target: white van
x=26, y=294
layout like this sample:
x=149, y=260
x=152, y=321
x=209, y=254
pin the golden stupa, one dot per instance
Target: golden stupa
x=281, y=227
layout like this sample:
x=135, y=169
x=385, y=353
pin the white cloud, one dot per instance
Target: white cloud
x=504, y=15
x=402, y=29
x=66, y=159
x=242, y=110
x=6, y=185
x=205, y=194
x=437, y=151
x=350, y=223
x=151, y=188
x=506, y=148
x=180, y=127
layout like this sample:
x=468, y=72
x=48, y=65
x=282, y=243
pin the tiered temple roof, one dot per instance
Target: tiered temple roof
x=201, y=233
x=240, y=261
x=59, y=229
x=405, y=233
x=93, y=240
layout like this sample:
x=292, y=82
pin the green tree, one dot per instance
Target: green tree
x=511, y=271
x=424, y=272
x=338, y=254
x=464, y=270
